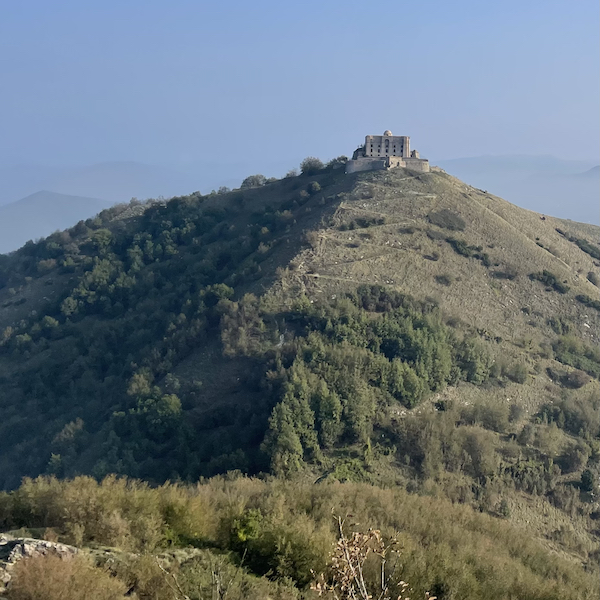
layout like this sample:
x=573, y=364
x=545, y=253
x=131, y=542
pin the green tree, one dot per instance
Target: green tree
x=587, y=481
x=311, y=165
x=253, y=181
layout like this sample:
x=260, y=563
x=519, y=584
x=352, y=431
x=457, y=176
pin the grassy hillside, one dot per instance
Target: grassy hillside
x=391, y=328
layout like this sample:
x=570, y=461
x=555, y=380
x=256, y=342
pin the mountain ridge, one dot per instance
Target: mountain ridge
x=214, y=333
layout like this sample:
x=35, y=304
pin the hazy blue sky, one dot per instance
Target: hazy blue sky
x=177, y=82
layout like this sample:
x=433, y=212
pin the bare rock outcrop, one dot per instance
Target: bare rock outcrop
x=12, y=550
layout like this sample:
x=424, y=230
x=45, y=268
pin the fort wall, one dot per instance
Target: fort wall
x=366, y=164
x=387, y=151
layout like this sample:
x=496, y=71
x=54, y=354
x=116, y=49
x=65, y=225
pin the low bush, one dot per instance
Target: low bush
x=286, y=530
x=509, y=274
x=559, y=325
x=53, y=578
x=587, y=301
x=549, y=279
x=584, y=245
x=491, y=416
x=313, y=187
x=443, y=280
x=516, y=372
x=114, y=512
x=571, y=351
x=461, y=247
x=447, y=220
x=580, y=417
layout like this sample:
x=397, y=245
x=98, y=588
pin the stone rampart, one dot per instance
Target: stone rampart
x=417, y=164
x=366, y=164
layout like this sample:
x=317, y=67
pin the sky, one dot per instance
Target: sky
x=268, y=82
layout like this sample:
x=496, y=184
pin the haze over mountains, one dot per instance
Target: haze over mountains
x=39, y=214
x=113, y=182
x=562, y=188
x=43, y=199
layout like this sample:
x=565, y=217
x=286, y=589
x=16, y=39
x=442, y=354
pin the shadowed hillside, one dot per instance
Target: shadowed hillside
x=395, y=328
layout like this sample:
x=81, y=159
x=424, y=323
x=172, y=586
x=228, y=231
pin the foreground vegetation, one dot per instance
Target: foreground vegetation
x=281, y=533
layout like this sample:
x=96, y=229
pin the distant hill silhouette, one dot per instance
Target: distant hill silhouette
x=39, y=214
x=110, y=181
x=545, y=184
x=593, y=173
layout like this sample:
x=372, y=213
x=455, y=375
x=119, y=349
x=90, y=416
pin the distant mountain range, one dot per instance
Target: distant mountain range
x=593, y=172
x=111, y=181
x=545, y=184
x=39, y=214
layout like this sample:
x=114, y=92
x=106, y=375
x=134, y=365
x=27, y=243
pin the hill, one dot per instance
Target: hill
x=40, y=214
x=593, y=173
x=539, y=183
x=116, y=181
x=393, y=328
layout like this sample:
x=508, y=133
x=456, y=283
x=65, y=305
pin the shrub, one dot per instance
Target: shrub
x=443, y=280
x=447, y=220
x=115, y=512
x=516, y=372
x=587, y=301
x=583, y=244
x=52, y=578
x=587, y=481
x=313, y=187
x=571, y=351
x=504, y=509
x=593, y=278
x=574, y=457
x=515, y=413
x=577, y=416
x=253, y=181
x=337, y=162
x=549, y=279
x=311, y=165
x=575, y=379
x=461, y=247
x=508, y=273
x=279, y=548
x=559, y=325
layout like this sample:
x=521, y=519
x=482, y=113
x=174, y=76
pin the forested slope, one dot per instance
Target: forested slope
x=393, y=328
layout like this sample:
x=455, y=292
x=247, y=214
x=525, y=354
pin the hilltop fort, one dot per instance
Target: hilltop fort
x=387, y=151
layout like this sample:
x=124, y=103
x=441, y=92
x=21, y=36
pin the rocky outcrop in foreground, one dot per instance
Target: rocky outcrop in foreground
x=12, y=550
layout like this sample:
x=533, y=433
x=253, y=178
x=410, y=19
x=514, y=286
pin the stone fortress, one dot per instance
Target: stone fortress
x=387, y=151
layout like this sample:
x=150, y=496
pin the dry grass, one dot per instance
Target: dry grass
x=52, y=578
